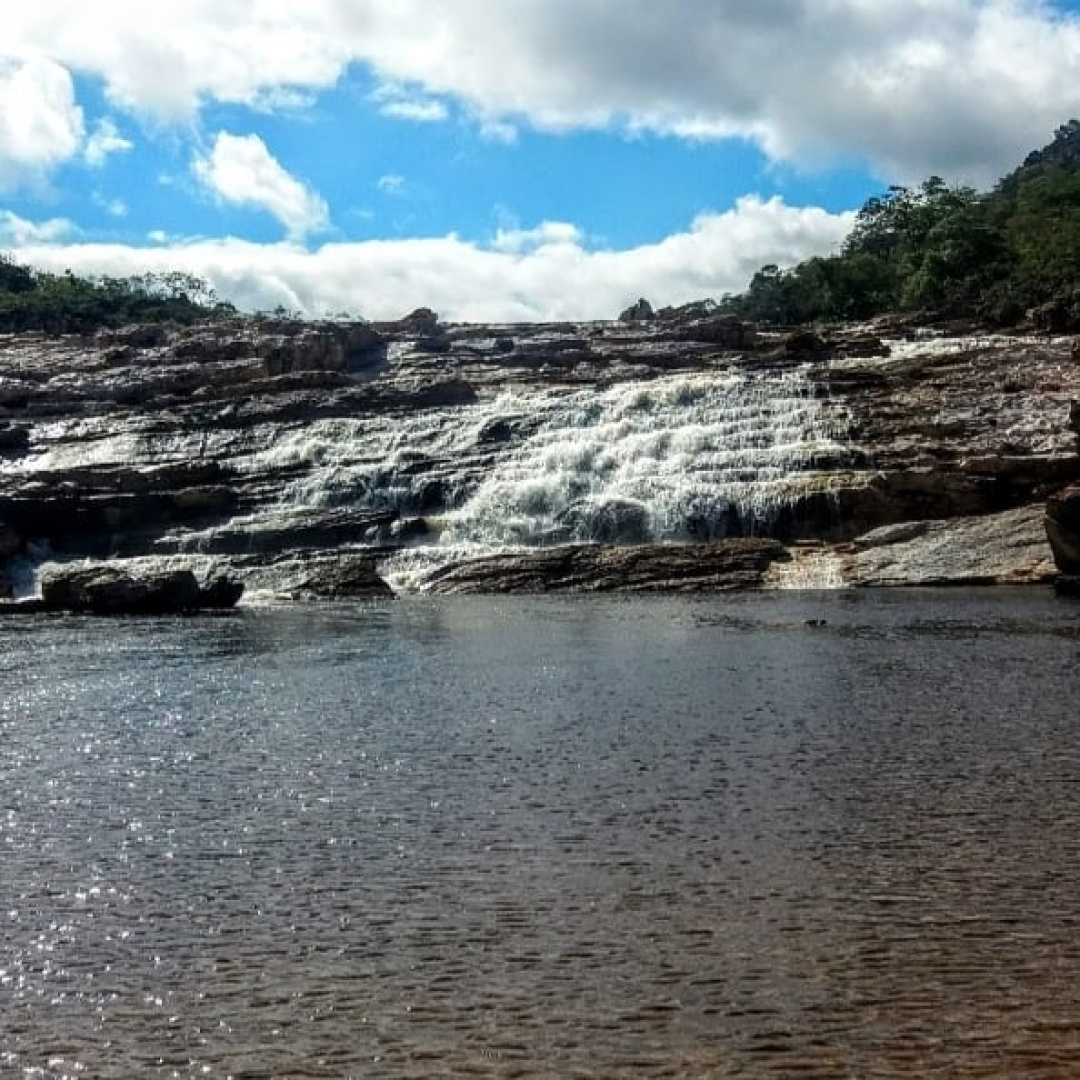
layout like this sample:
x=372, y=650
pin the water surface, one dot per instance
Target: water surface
x=818, y=835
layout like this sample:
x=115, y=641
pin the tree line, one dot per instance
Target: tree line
x=946, y=252
x=69, y=304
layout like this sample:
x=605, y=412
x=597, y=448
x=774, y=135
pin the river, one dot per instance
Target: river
x=777, y=834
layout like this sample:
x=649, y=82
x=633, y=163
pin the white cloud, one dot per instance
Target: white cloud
x=41, y=126
x=241, y=171
x=18, y=232
x=546, y=234
x=960, y=87
x=405, y=106
x=106, y=140
x=392, y=184
x=544, y=273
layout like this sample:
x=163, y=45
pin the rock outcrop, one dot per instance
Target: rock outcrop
x=273, y=448
x=104, y=589
x=698, y=568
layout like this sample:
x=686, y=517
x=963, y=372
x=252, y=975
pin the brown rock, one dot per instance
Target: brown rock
x=716, y=567
x=349, y=577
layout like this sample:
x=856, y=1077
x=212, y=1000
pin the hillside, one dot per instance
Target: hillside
x=999, y=257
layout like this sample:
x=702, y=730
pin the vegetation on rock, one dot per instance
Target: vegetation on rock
x=949, y=252
x=66, y=303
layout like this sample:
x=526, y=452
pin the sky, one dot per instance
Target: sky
x=499, y=159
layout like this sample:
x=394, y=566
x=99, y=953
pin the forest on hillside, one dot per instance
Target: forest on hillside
x=947, y=252
x=69, y=304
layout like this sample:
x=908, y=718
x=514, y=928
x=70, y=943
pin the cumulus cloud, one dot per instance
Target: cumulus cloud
x=959, y=87
x=543, y=273
x=18, y=232
x=105, y=141
x=546, y=234
x=241, y=171
x=41, y=125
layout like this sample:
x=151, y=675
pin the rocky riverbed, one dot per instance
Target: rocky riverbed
x=683, y=450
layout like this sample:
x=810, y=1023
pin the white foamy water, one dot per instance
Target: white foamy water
x=688, y=457
x=685, y=457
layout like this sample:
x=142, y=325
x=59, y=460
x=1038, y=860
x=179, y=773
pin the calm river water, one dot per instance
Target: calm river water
x=545, y=837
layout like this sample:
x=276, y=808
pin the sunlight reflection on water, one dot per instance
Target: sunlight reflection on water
x=791, y=834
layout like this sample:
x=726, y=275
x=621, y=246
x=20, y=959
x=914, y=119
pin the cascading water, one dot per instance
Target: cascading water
x=687, y=457
x=691, y=457
x=696, y=456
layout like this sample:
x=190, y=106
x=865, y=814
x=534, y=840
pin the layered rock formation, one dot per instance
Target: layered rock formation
x=298, y=456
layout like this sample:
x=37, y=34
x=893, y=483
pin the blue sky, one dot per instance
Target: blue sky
x=500, y=159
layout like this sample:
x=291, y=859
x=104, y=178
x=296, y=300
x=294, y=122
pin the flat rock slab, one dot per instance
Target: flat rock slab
x=586, y=568
x=1009, y=548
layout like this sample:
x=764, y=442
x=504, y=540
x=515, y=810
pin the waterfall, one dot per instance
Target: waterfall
x=689, y=457
x=685, y=457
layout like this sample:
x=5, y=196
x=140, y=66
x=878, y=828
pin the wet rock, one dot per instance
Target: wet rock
x=608, y=521
x=806, y=345
x=221, y=592
x=14, y=438
x=409, y=529
x=716, y=567
x=188, y=440
x=27, y=605
x=284, y=531
x=102, y=589
x=1063, y=528
x=864, y=346
x=347, y=577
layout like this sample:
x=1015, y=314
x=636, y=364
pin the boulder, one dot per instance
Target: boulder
x=102, y=589
x=321, y=347
x=421, y=320
x=805, y=344
x=347, y=577
x=701, y=322
x=607, y=521
x=220, y=593
x=989, y=549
